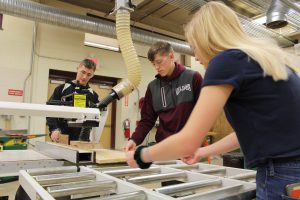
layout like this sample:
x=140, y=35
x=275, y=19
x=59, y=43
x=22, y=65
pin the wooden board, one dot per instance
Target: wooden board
x=105, y=156
x=222, y=126
x=86, y=145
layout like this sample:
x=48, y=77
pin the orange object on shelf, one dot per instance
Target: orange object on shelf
x=206, y=143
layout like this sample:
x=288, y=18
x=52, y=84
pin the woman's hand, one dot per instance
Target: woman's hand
x=194, y=158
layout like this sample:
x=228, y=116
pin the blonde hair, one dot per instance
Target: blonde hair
x=216, y=27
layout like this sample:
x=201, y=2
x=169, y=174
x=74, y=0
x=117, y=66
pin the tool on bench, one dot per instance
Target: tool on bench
x=15, y=139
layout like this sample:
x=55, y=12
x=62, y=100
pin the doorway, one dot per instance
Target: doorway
x=102, y=86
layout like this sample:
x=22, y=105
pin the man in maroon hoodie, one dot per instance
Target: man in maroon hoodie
x=171, y=96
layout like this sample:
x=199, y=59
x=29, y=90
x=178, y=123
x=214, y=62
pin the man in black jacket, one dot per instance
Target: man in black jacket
x=64, y=94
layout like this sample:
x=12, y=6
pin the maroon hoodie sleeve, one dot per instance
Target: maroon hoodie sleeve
x=197, y=83
x=148, y=118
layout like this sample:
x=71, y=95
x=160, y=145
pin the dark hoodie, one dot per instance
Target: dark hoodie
x=172, y=100
x=65, y=90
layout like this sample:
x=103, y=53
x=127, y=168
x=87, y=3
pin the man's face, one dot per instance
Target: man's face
x=164, y=64
x=84, y=74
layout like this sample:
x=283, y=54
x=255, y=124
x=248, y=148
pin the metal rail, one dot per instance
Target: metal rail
x=101, y=187
x=215, y=194
x=158, y=177
x=243, y=176
x=52, y=170
x=172, y=189
x=209, y=171
x=132, y=172
x=103, y=169
x=186, y=167
x=139, y=195
x=64, y=178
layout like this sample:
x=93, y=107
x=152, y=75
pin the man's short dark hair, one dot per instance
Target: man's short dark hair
x=161, y=48
x=88, y=63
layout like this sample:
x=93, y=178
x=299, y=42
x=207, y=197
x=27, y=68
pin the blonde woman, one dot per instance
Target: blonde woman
x=258, y=86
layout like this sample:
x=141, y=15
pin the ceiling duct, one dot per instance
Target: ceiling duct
x=293, y=14
x=253, y=29
x=276, y=15
x=54, y=16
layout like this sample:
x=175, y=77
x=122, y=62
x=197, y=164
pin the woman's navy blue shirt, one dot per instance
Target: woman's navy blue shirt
x=264, y=114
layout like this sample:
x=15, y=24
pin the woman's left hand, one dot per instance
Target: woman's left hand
x=192, y=159
x=130, y=159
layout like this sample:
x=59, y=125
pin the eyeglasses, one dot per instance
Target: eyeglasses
x=160, y=61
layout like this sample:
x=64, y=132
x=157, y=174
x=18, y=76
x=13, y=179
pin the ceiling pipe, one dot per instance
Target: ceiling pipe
x=291, y=5
x=276, y=15
x=54, y=16
x=253, y=29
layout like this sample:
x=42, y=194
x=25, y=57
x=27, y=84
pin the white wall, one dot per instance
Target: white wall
x=15, y=56
x=131, y=111
x=61, y=48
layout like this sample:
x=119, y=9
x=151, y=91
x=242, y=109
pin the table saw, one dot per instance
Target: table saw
x=55, y=171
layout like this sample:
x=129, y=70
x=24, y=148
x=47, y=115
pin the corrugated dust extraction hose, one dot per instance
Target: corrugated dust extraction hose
x=130, y=58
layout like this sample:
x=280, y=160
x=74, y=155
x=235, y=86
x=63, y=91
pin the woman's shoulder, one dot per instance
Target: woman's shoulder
x=230, y=56
x=231, y=53
x=231, y=61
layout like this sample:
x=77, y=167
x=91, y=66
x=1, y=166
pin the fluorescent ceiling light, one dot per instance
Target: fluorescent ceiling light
x=101, y=42
x=101, y=46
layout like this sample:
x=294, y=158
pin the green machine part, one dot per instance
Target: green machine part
x=15, y=141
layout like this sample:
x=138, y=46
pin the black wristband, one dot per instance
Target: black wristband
x=138, y=158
